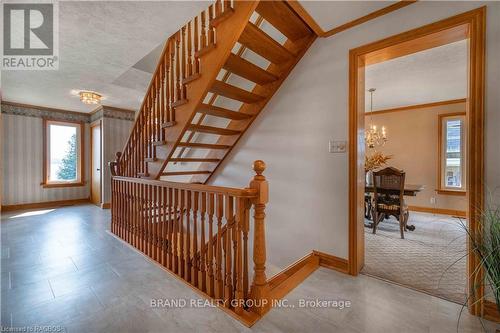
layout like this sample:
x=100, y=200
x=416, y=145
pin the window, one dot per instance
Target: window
x=62, y=154
x=452, y=154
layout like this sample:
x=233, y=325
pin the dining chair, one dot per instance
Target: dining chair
x=388, y=197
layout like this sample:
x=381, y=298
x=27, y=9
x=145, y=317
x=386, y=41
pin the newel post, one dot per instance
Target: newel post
x=260, y=288
x=114, y=166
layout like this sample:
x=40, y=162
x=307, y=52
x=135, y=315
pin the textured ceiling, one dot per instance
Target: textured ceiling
x=106, y=46
x=433, y=75
x=331, y=14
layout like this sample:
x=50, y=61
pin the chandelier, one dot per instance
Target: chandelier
x=89, y=97
x=373, y=135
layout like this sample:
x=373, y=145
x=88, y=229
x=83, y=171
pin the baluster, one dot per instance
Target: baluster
x=127, y=213
x=196, y=46
x=218, y=8
x=170, y=226
x=136, y=215
x=156, y=223
x=150, y=221
x=175, y=236
x=184, y=62
x=187, y=261
x=227, y=4
x=246, y=229
x=219, y=291
x=164, y=227
x=211, y=208
x=211, y=36
x=195, y=262
x=182, y=239
x=203, y=242
x=189, y=50
x=238, y=286
x=228, y=288
x=167, y=90
x=144, y=219
x=157, y=123
x=172, y=79
x=203, y=41
x=178, y=68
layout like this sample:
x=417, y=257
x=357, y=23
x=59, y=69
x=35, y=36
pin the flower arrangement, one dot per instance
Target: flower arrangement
x=375, y=161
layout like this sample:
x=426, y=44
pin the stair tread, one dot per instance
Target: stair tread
x=213, y=130
x=283, y=18
x=216, y=111
x=203, y=145
x=232, y=92
x=262, y=44
x=247, y=70
x=194, y=159
x=180, y=173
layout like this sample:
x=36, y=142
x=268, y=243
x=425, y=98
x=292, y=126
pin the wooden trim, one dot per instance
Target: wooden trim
x=306, y=17
x=332, y=262
x=443, y=211
x=44, y=108
x=452, y=192
x=417, y=106
x=490, y=311
x=440, y=143
x=289, y=278
x=81, y=158
x=106, y=205
x=428, y=41
x=475, y=20
x=309, y=20
x=368, y=17
x=47, y=204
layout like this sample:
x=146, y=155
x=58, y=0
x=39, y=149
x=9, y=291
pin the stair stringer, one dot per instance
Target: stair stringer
x=228, y=33
x=253, y=109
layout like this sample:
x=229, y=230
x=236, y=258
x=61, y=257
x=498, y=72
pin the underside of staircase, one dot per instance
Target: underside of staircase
x=256, y=47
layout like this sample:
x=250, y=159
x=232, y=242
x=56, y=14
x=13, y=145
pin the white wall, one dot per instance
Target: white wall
x=308, y=186
x=22, y=141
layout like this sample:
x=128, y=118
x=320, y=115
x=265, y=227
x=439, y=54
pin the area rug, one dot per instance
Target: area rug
x=430, y=259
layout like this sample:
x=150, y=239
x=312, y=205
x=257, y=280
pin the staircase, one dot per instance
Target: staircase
x=213, y=79
x=214, y=76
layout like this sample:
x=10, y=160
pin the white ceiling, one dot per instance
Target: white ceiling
x=433, y=75
x=331, y=14
x=102, y=46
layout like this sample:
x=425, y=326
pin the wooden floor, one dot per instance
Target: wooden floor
x=61, y=267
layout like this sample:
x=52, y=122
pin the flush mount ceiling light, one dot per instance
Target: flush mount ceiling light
x=90, y=97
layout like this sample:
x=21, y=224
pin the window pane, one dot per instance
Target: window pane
x=453, y=158
x=63, y=153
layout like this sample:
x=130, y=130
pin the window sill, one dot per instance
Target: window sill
x=56, y=185
x=452, y=192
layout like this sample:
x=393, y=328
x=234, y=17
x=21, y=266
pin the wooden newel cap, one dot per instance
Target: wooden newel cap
x=259, y=166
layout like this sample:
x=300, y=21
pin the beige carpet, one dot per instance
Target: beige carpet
x=422, y=260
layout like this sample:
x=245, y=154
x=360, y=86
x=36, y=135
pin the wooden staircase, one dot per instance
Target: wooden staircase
x=224, y=68
x=214, y=76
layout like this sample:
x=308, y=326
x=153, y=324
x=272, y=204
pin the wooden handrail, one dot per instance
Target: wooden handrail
x=235, y=192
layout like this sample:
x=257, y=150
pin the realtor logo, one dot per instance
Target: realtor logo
x=29, y=39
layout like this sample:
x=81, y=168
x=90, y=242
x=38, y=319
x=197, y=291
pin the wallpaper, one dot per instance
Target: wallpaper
x=22, y=150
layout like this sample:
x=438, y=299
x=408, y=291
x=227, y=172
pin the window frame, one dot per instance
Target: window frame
x=442, y=189
x=80, y=181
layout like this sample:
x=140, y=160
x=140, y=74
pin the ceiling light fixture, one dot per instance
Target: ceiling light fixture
x=90, y=97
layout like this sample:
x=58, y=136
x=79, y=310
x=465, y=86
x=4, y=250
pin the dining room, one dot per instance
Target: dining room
x=415, y=168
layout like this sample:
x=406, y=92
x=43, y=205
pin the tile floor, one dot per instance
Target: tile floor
x=61, y=268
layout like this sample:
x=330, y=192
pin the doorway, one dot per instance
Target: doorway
x=470, y=25
x=95, y=174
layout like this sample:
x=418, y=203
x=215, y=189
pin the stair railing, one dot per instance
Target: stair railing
x=200, y=233
x=179, y=63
